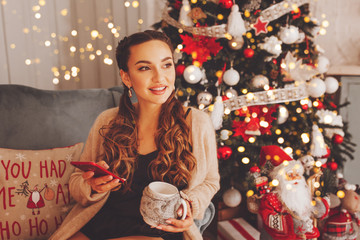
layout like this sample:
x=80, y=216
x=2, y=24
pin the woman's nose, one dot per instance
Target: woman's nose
x=158, y=75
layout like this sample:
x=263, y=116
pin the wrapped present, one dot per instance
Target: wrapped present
x=237, y=229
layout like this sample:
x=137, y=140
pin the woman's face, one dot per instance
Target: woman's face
x=151, y=72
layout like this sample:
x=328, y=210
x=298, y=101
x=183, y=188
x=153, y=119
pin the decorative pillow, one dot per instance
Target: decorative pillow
x=34, y=190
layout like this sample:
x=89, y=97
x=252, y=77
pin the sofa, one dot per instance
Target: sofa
x=41, y=131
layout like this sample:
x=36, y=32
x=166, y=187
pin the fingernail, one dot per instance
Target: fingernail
x=159, y=227
x=168, y=221
x=116, y=180
x=106, y=166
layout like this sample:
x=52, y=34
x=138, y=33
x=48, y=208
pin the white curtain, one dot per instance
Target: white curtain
x=67, y=44
x=72, y=42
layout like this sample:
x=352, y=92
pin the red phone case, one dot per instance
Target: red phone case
x=98, y=171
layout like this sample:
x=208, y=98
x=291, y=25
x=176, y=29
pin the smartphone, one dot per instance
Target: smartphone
x=98, y=170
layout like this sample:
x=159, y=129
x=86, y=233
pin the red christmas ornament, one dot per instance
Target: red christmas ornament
x=332, y=166
x=224, y=97
x=320, y=104
x=224, y=152
x=274, y=61
x=180, y=69
x=338, y=139
x=260, y=26
x=226, y=3
x=249, y=52
x=305, y=107
x=255, y=169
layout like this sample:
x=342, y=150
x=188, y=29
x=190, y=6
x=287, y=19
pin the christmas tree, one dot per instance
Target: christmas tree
x=254, y=66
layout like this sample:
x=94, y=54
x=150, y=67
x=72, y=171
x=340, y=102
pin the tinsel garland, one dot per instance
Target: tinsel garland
x=219, y=31
x=274, y=96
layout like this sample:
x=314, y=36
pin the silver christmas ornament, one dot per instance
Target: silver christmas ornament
x=259, y=81
x=232, y=197
x=236, y=43
x=230, y=93
x=204, y=98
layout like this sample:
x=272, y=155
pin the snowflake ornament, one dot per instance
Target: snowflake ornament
x=53, y=182
x=295, y=70
x=69, y=157
x=272, y=45
x=252, y=5
x=329, y=117
x=20, y=156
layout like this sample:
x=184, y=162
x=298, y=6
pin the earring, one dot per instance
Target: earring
x=130, y=93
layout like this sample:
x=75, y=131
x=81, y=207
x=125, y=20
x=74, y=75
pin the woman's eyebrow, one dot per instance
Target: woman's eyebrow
x=148, y=62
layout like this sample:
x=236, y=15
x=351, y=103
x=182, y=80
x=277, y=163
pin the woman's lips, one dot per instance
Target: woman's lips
x=158, y=90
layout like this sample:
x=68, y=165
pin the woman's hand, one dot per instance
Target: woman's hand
x=176, y=225
x=100, y=184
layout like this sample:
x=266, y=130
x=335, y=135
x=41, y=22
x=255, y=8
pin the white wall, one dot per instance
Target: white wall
x=341, y=43
x=23, y=36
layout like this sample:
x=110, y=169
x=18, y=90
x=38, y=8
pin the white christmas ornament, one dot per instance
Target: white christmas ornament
x=316, y=29
x=301, y=37
x=204, y=98
x=289, y=34
x=224, y=134
x=259, y=81
x=218, y=113
x=318, y=146
x=283, y=114
x=184, y=17
x=192, y=74
x=236, y=25
x=236, y=43
x=323, y=64
x=331, y=84
x=231, y=77
x=272, y=45
x=232, y=197
x=316, y=87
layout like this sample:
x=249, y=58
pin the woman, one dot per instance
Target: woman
x=153, y=139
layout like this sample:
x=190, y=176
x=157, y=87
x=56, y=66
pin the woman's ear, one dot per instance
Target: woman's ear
x=125, y=78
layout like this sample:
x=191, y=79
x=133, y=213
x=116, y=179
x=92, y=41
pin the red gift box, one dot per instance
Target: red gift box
x=237, y=229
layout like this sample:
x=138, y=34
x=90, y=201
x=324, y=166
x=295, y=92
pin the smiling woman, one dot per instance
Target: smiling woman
x=155, y=139
x=151, y=73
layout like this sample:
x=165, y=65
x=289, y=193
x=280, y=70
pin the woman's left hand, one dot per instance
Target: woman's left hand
x=176, y=225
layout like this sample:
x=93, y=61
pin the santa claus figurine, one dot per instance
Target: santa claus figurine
x=288, y=212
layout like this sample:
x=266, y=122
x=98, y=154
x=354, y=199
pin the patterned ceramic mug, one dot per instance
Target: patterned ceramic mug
x=160, y=201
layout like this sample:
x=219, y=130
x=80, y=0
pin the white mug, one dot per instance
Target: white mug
x=160, y=201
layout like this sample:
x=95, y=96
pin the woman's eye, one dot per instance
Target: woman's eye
x=143, y=68
x=168, y=65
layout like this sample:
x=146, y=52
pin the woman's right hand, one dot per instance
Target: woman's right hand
x=100, y=184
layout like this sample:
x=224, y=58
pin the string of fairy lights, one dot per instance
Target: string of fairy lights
x=87, y=52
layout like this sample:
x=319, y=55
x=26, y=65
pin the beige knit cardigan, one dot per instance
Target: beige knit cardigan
x=202, y=187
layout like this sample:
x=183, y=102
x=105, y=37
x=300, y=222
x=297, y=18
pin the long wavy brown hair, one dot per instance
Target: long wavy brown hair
x=175, y=160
